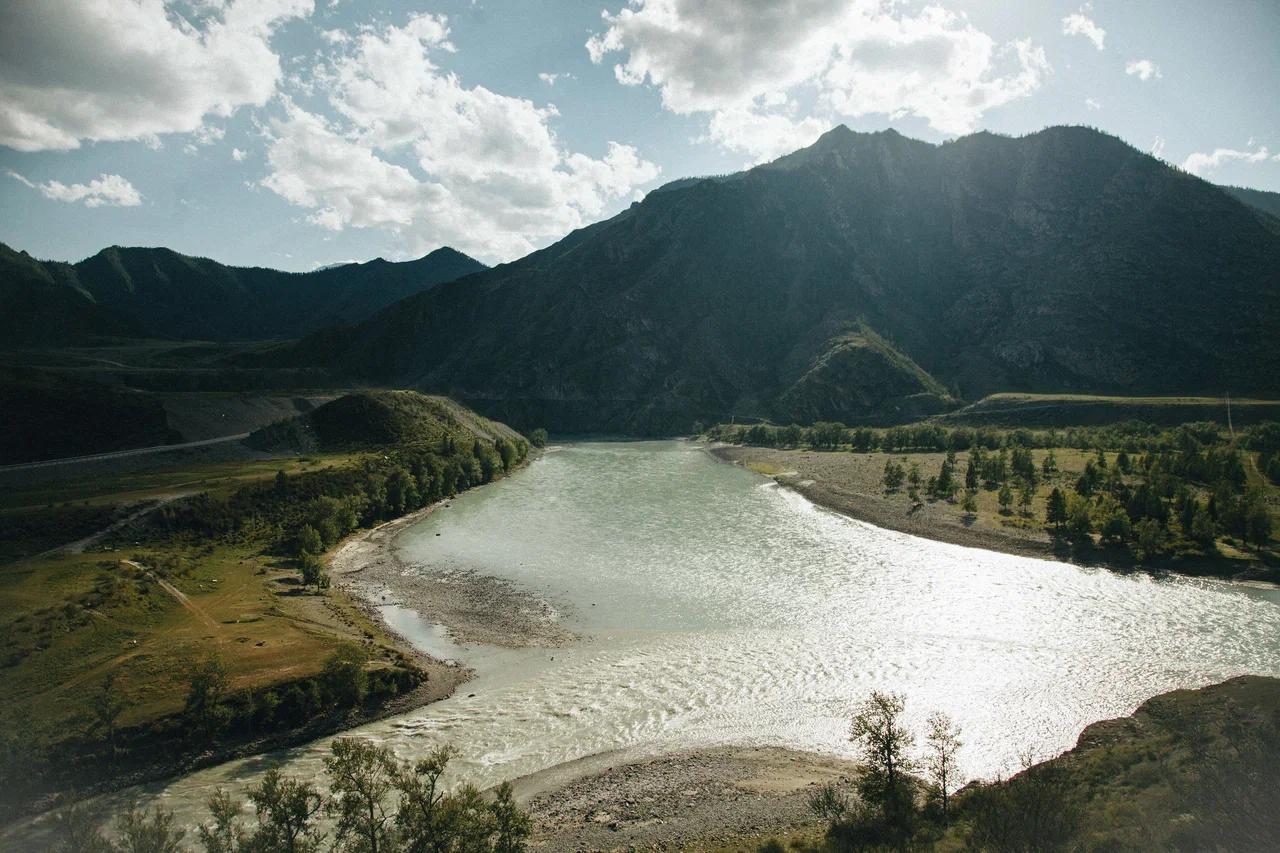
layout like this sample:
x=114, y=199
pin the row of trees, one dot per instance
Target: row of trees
x=1129, y=436
x=375, y=802
x=335, y=501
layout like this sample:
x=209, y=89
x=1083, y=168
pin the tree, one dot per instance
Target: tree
x=1079, y=519
x=1110, y=519
x=1056, y=509
x=511, y=825
x=893, y=475
x=913, y=494
x=1049, y=464
x=698, y=428
x=913, y=475
x=420, y=817
x=308, y=541
x=970, y=476
x=943, y=742
x=1257, y=521
x=207, y=684
x=970, y=503
x=344, y=674
x=1034, y=811
x=224, y=835
x=140, y=834
x=1149, y=538
x=361, y=778
x=1026, y=495
x=107, y=706
x=79, y=830
x=1203, y=530
x=1005, y=498
x=885, y=744
x=1102, y=459
x=538, y=438
x=311, y=568
x=287, y=811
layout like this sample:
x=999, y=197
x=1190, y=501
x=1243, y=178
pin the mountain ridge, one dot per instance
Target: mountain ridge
x=1063, y=260
x=157, y=292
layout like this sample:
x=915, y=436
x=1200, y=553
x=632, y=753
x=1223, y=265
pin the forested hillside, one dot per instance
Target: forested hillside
x=868, y=278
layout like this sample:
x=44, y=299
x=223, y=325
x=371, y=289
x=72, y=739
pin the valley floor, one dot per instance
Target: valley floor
x=850, y=484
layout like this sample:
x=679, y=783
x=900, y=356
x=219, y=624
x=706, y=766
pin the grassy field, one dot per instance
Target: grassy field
x=69, y=617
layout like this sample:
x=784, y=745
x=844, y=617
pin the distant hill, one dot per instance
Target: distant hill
x=158, y=293
x=1261, y=199
x=867, y=278
x=47, y=416
x=364, y=420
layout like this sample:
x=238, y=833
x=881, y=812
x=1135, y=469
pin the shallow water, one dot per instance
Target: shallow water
x=718, y=608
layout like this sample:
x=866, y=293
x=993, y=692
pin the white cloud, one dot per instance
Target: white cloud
x=413, y=151
x=1201, y=164
x=1143, y=69
x=104, y=190
x=238, y=155
x=98, y=70
x=1081, y=25
x=1157, y=147
x=550, y=79
x=748, y=66
x=1092, y=104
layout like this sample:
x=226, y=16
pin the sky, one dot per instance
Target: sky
x=300, y=133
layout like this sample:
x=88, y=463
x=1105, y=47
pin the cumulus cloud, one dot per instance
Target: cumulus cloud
x=238, y=155
x=413, y=151
x=1093, y=104
x=95, y=70
x=1157, y=147
x=1200, y=163
x=550, y=79
x=1143, y=69
x=746, y=65
x=1081, y=25
x=105, y=190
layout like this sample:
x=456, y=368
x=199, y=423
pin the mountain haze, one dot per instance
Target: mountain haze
x=867, y=277
x=159, y=293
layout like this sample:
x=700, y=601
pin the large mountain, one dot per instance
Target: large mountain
x=159, y=293
x=867, y=277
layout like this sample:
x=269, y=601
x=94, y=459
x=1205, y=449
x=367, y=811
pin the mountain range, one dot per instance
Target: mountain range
x=866, y=278
x=159, y=293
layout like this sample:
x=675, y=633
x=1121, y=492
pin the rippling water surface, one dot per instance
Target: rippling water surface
x=717, y=608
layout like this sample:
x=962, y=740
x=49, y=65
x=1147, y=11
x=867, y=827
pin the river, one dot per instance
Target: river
x=715, y=607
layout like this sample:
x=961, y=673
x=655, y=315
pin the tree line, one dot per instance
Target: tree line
x=374, y=803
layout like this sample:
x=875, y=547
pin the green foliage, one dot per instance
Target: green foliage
x=207, y=683
x=1035, y=812
x=344, y=674
x=1056, y=509
x=308, y=540
x=538, y=438
x=893, y=475
x=1109, y=519
x=312, y=570
x=1005, y=497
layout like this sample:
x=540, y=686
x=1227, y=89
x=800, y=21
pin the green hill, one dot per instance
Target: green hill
x=1065, y=261
x=371, y=420
x=159, y=293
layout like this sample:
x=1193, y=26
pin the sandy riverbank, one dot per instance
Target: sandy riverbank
x=834, y=481
x=474, y=608
x=675, y=802
x=850, y=484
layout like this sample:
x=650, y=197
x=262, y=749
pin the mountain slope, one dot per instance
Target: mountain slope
x=1262, y=200
x=1061, y=261
x=159, y=293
